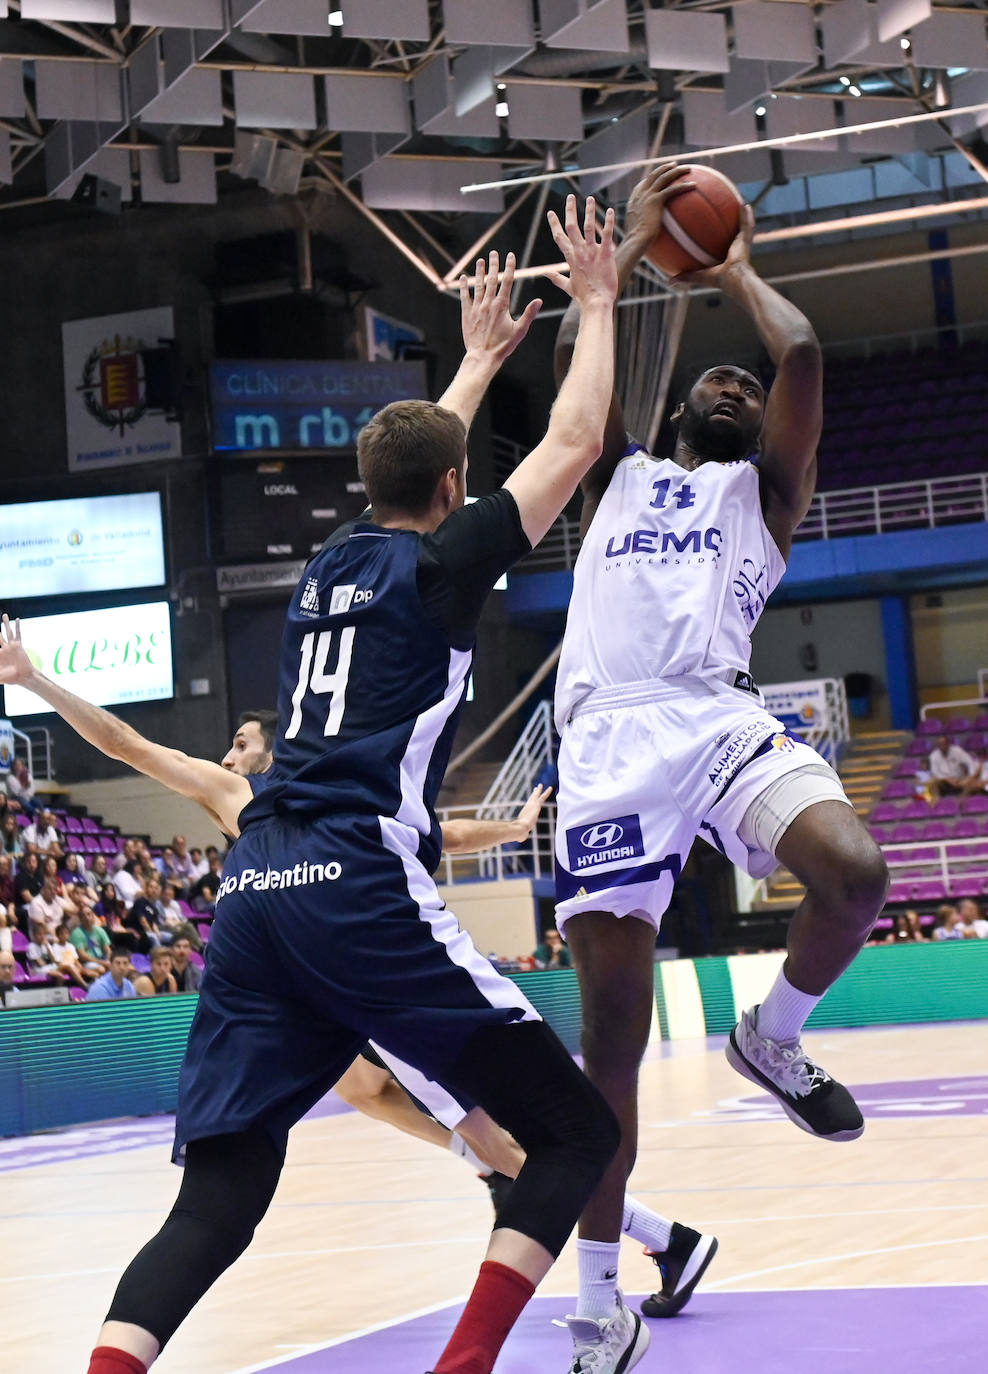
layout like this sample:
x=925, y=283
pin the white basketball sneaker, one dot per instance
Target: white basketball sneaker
x=610, y=1346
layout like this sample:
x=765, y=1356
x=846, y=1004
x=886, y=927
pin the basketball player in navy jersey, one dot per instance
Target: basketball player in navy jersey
x=379, y=1085
x=331, y=874
x=664, y=735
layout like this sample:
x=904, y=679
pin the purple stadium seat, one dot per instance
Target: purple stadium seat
x=883, y=924
x=74, y=844
x=185, y=909
x=930, y=726
x=141, y=962
x=22, y=820
x=917, y=811
x=935, y=830
x=77, y=994
x=900, y=891
x=89, y=825
x=978, y=850
x=905, y=834
x=917, y=746
x=18, y=941
x=981, y=722
x=72, y=825
x=20, y=972
x=928, y=890
x=197, y=959
x=969, y=887
x=974, y=741
x=959, y=724
x=894, y=855
x=109, y=846
x=885, y=811
x=899, y=787
x=965, y=829
x=924, y=854
x=947, y=806
x=881, y=834
x=974, y=806
x=908, y=768
x=204, y=932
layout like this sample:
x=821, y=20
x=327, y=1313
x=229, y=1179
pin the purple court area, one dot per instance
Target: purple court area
x=790, y=1331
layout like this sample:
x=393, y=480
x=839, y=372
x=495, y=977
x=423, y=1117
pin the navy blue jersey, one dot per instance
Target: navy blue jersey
x=375, y=657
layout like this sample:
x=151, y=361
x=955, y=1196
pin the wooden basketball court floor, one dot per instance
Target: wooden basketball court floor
x=864, y=1256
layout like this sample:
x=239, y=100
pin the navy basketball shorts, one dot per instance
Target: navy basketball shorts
x=328, y=932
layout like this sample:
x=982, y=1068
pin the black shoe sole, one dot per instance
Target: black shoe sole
x=738, y=1062
x=660, y=1306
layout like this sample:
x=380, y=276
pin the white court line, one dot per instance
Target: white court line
x=827, y=1216
x=833, y=1259
x=355, y=1335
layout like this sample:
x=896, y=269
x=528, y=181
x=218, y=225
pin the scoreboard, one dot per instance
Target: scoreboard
x=282, y=508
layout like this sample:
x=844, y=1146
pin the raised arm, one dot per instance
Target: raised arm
x=544, y=482
x=221, y=793
x=643, y=220
x=466, y=836
x=490, y=335
x=794, y=409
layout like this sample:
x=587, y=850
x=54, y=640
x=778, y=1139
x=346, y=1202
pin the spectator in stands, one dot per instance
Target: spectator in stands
x=113, y=985
x=210, y=880
x=51, y=872
x=111, y=911
x=159, y=982
x=552, y=953
x=952, y=769
x=10, y=835
x=74, y=879
x=41, y=960
x=146, y=913
x=42, y=835
x=128, y=882
x=172, y=914
x=187, y=975
x=905, y=926
x=8, y=924
x=181, y=860
x=200, y=864
x=27, y=884
x=99, y=873
x=20, y=786
x=92, y=943
x=46, y=908
x=8, y=973
x=67, y=958
x=972, y=923
x=7, y=890
x=947, y=924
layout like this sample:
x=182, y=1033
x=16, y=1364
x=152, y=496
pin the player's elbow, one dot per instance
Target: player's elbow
x=802, y=353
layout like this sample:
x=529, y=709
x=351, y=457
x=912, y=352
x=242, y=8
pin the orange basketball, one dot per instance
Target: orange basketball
x=699, y=226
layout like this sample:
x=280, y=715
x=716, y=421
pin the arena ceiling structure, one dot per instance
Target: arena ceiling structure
x=839, y=118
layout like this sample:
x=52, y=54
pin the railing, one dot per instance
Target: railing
x=935, y=707
x=36, y=746
x=528, y=760
x=832, y=515
x=921, y=863
x=533, y=856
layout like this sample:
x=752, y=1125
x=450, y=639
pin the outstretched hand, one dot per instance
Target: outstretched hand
x=647, y=201
x=15, y=666
x=592, y=269
x=738, y=256
x=488, y=328
x=530, y=812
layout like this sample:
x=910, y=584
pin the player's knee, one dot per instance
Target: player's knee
x=614, y=1037
x=855, y=880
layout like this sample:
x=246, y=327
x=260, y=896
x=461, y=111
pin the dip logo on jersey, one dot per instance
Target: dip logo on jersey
x=308, y=602
x=348, y=594
x=270, y=879
x=590, y=846
x=751, y=589
x=735, y=750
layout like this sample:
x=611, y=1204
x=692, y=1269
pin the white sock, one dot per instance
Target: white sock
x=645, y=1226
x=597, y=1262
x=784, y=1012
x=459, y=1147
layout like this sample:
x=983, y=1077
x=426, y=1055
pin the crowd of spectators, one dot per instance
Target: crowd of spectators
x=107, y=926
x=954, y=771
x=960, y=920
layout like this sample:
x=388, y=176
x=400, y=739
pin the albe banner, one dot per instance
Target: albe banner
x=112, y=417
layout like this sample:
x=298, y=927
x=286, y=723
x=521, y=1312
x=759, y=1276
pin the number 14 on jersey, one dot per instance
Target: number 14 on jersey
x=312, y=674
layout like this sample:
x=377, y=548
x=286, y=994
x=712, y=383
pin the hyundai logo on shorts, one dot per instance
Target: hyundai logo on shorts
x=606, y=842
x=602, y=836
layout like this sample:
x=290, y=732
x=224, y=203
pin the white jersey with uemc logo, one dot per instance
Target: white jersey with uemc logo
x=672, y=577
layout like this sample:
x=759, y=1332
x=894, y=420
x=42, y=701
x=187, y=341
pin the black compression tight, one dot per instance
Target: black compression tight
x=228, y=1185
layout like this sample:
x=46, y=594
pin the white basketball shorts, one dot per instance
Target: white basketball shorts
x=645, y=768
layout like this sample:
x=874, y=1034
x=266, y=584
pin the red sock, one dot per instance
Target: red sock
x=496, y=1303
x=106, y=1359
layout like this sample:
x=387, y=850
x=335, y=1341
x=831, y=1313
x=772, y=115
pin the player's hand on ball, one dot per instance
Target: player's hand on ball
x=488, y=329
x=590, y=259
x=738, y=256
x=646, y=202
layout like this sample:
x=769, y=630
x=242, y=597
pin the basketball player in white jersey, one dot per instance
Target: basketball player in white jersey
x=664, y=735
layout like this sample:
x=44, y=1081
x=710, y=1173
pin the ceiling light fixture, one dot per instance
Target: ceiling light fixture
x=336, y=19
